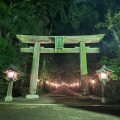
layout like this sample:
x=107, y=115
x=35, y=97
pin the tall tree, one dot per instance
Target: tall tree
x=111, y=43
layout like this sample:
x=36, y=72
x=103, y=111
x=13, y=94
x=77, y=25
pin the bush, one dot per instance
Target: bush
x=113, y=89
x=3, y=87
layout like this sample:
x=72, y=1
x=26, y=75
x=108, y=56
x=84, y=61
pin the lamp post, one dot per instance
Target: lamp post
x=11, y=76
x=92, y=81
x=38, y=86
x=103, y=74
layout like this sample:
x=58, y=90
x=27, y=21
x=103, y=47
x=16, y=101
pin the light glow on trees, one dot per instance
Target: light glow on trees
x=57, y=85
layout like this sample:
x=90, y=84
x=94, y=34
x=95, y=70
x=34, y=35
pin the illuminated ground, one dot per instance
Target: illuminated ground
x=51, y=107
x=49, y=112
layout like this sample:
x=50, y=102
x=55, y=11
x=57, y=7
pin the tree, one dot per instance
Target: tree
x=110, y=25
x=83, y=18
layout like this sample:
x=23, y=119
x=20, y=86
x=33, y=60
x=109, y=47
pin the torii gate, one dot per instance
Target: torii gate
x=59, y=41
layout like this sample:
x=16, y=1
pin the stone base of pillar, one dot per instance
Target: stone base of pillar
x=85, y=97
x=104, y=100
x=85, y=93
x=8, y=98
x=32, y=96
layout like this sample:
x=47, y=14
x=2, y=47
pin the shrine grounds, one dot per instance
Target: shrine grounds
x=58, y=108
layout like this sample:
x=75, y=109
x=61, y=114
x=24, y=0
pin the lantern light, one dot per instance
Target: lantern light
x=103, y=73
x=92, y=81
x=11, y=72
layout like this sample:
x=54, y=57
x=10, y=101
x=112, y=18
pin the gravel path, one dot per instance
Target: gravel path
x=58, y=107
x=32, y=112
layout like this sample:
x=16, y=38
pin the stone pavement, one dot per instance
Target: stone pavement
x=61, y=100
x=26, y=101
x=58, y=107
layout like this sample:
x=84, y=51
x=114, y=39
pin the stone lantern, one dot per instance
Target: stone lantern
x=11, y=76
x=103, y=74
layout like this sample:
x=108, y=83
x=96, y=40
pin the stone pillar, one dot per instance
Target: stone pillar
x=9, y=91
x=34, y=72
x=104, y=99
x=83, y=69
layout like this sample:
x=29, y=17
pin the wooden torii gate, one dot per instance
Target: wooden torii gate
x=59, y=41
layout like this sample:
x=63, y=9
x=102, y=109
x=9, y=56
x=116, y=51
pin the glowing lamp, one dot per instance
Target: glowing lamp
x=103, y=75
x=11, y=72
x=38, y=80
x=92, y=81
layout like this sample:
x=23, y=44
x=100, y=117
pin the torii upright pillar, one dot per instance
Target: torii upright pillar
x=83, y=69
x=34, y=72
